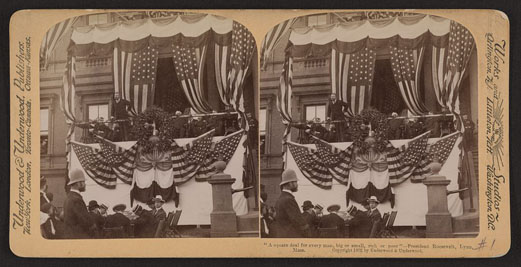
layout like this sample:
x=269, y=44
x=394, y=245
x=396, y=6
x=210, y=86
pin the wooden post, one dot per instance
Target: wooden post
x=223, y=217
x=438, y=218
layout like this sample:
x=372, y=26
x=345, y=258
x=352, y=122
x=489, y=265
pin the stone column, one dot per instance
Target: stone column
x=223, y=217
x=438, y=218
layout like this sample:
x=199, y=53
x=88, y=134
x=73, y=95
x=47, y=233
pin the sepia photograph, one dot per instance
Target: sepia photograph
x=148, y=127
x=368, y=127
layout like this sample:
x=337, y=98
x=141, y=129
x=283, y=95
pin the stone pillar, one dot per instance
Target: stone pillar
x=438, y=218
x=223, y=217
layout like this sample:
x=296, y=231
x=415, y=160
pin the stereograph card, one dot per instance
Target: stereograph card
x=259, y=133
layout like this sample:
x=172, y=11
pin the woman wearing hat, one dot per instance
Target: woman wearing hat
x=333, y=220
x=289, y=222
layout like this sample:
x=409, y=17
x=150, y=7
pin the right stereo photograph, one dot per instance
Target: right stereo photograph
x=368, y=127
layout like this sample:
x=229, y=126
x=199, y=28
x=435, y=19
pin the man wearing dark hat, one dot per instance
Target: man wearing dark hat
x=311, y=218
x=118, y=219
x=288, y=220
x=99, y=220
x=333, y=220
x=77, y=219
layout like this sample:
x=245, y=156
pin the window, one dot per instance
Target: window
x=315, y=111
x=262, y=130
x=44, y=131
x=98, y=111
x=317, y=20
x=97, y=19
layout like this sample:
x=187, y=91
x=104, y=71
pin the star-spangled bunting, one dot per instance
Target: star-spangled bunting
x=200, y=148
x=95, y=165
x=223, y=150
x=122, y=161
x=337, y=161
x=311, y=165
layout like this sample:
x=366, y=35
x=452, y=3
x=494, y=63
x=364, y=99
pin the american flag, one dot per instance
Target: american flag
x=95, y=165
x=135, y=76
x=406, y=64
x=223, y=150
x=273, y=37
x=337, y=162
x=200, y=148
x=189, y=63
x=286, y=90
x=52, y=37
x=232, y=63
x=403, y=160
x=352, y=77
x=121, y=160
x=449, y=64
x=311, y=166
x=441, y=149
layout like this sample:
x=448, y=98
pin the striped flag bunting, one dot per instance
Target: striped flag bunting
x=52, y=37
x=406, y=65
x=352, y=77
x=311, y=166
x=272, y=39
x=440, y=149
x=337, y=162
x=222, y=150
x=95, y=165
x=121, y=160
x=135, y=76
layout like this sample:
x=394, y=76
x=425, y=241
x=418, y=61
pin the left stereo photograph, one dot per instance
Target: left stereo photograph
x=148, y=127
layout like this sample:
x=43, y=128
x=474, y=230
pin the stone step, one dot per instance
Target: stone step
x=248, y=222
x=248, y=233
x=468, y=222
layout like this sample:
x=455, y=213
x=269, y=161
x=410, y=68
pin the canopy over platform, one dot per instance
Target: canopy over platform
x=131, y=36
x=350, y=37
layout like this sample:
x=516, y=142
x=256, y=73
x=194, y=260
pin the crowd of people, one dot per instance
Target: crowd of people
x=286, y=220
x=80, y=221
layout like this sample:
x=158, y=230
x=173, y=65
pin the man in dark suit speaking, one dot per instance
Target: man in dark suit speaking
x=337, y=111
x=121, y=111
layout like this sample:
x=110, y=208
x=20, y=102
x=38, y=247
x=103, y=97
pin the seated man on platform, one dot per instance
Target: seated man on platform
x=159, y=213
x=118, y=219
x=310, y=217
x=333, y=220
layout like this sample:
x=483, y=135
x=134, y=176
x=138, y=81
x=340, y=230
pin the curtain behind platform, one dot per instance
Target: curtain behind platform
x=169, y=95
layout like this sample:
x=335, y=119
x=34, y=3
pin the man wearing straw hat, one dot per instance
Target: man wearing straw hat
x=77, y=219
x=159, y=213
x=289, y=221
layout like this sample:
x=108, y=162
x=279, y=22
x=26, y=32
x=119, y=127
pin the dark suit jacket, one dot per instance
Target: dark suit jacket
x=117, y=220
x=77, y=219
x=98, y=219
x=333, y=220
x=145, y=225
x=312, y=221
x=160, y=214
x=336, y=110
x=289, y=221
x=120, y=109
